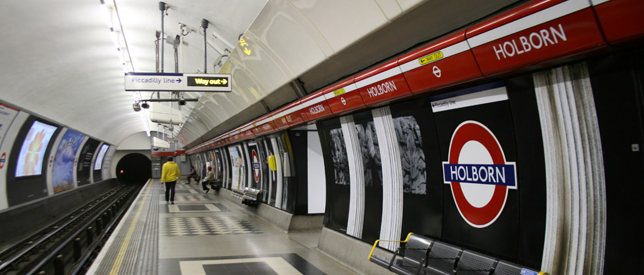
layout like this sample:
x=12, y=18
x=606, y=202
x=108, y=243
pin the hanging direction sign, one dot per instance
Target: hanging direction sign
x=177, y=82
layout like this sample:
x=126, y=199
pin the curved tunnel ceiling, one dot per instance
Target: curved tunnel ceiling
x=59, y=61
x=64, y=66
x=295, y=47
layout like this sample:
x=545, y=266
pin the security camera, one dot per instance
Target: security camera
x=155, y=148
x=182, y=102
x=136, y=107
x=145, y=105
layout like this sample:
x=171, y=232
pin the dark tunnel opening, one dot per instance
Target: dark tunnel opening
x=134, y=168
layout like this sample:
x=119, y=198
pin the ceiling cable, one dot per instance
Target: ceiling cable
x=127, y=49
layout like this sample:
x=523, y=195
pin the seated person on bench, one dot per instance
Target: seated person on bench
x=209, y=178
x=193, y=174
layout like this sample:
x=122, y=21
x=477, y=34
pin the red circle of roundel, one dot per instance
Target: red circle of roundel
x=3, y=159
x=256, y=170
x=486, y=215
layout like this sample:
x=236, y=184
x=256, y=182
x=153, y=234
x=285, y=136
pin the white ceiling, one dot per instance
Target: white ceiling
x=58, y=60
x=296, y=47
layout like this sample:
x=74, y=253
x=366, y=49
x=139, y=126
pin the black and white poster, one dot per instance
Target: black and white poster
x=339, y=157
x=337, y=175
x=412, y=157
x=369, y=149
x=421, y=167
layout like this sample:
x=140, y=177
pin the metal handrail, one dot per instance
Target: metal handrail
x=377, y=241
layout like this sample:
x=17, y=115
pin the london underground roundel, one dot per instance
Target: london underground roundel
x=256, y=167
x=478, y=174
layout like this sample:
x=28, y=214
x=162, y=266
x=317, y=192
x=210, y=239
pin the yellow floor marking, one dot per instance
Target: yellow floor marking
x=119, y=259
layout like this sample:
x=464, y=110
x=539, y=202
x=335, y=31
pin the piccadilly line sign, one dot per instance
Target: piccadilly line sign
x=178, y=82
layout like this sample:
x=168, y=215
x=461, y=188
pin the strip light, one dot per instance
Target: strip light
x=113, y=21
x=110, y=14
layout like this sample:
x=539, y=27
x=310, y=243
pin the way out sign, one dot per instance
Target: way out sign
x=177, y=82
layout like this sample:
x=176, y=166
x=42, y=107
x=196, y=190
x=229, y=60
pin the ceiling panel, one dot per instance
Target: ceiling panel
x=294, y=46
x=342, y=22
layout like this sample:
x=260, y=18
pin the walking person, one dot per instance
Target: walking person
x=209, y=178
x=170, y=174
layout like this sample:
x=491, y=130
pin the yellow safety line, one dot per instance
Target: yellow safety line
x=119, y=259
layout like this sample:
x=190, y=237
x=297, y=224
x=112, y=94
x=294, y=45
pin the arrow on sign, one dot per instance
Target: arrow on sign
x=179, y=80
x=247, y=51
x=224, y=81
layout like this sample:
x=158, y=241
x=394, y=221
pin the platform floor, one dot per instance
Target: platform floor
x=205, y=234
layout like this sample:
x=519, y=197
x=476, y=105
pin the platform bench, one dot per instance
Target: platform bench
x=422, y=255
x=237, y=193
x=442, y=259
x=413, y=252
x=215, y=184
x=251, y=196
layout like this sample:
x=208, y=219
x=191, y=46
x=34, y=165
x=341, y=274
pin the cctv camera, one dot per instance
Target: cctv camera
x=136, y=107
x=155, y=148
x=182, y=102
x=145, y=105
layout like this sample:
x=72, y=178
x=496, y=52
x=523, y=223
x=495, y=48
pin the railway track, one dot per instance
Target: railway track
x=68, y=245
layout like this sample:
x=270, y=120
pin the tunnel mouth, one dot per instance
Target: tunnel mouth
x=134, y=168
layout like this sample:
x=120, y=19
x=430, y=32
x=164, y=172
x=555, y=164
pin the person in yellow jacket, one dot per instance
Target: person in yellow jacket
x=170, y=174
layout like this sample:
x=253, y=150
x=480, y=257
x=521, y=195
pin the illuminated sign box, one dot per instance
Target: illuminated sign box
x=198, y=81
x=177, y=82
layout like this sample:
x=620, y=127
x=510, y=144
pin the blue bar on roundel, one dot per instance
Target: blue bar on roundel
x=494, y=174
